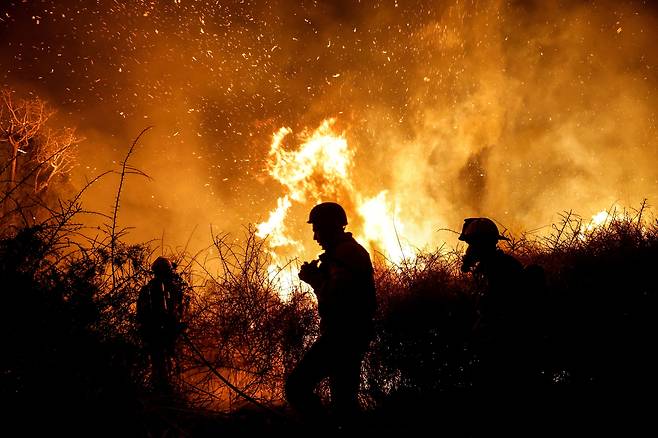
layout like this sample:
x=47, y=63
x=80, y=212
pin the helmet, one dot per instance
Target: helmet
x=328, y=213
x=162, y=266
x=480, y=228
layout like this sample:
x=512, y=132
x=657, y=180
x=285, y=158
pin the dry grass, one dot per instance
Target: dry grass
x=73, y=291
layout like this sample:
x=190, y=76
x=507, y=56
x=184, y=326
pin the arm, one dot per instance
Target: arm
x=310, y=273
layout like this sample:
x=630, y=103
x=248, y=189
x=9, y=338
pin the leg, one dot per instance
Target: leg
x=159, y=377
x=160, y=352
x=345, y=380
x=309, y=372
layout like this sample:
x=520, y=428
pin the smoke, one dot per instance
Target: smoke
x=516, y=111
x=522, y=114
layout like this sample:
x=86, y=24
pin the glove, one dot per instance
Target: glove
x=310, y=273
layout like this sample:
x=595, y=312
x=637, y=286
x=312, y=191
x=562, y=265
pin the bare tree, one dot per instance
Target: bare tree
x=32, y=153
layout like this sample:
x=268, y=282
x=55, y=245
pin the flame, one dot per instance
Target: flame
x=321, y=165
x=314, y=172
x=321, y=170
x=380, y=230
x=275, y=227
x=601, y=219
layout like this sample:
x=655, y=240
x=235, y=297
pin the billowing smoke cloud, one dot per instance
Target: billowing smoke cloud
x=516, y=111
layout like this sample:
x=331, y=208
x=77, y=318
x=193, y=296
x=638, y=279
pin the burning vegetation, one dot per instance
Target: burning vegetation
x=72, y=333
x=412, y=115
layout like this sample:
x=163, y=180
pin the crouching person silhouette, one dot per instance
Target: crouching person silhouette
x=342, y=280
x=160, y=309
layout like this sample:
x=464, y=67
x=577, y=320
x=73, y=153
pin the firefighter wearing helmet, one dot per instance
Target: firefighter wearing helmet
x=342, y=280
x=160, y=309
x=499, y=279
x=482, y=236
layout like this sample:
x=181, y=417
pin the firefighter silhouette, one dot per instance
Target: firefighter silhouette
x=160, y=309
x=342, y=280
x=501, y=305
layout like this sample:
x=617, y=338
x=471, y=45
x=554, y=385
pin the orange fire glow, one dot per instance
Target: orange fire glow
x=510, y=111
x=321, y=170
x=602, y=219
